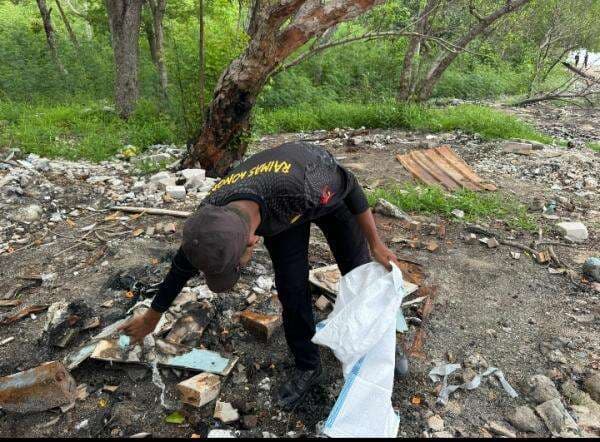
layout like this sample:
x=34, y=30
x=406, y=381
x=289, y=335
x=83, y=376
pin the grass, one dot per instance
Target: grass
x=594, y=146
x=487, y=122
x=477, y=206
x=81, y=131
x=93, y=131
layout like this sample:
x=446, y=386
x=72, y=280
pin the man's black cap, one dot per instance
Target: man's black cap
x=214, y=240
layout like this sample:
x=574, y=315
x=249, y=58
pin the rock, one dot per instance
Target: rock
x=458, y=213
x=468, y=374
x=590, y=183
x=524, y=419
x=225, y=412
x=189, y=174
x=517, y=147
x=388, y=209
x=542, y=389
x=435, y=423
x=264, y=283
x=249, y=421
x=591, y=268
x=29, y=214
x=475, y=361
x=573, y=231
x=578, y=397
x=442, y=435
x=592, y=386
x=200, y=389
x=556, y=356
x=265, y=384
x=471, y=239
x=498, y=428
x=492, y=243
x=556, y=418
x=159, y=176
x=176, y=192
x=169, y=228
x=587, y=420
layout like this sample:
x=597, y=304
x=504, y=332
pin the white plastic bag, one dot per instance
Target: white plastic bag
x=361, y=331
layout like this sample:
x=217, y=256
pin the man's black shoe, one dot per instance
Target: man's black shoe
x=294, y=390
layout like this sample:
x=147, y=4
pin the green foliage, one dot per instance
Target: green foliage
x=594, y=146
x=76, y=131
x=477, y=206
x=487, y=122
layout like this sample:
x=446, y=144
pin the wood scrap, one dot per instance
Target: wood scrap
x=23, y=313
x=152, y=211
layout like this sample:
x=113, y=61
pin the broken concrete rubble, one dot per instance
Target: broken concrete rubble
x=41, y=388
x=225, y=412
x=200, y=389
x=573, y=231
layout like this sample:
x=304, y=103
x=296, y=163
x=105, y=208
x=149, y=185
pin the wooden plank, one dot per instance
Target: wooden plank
x=434, y=169
x=449, y=168
x=416, y=171
x=463, y=167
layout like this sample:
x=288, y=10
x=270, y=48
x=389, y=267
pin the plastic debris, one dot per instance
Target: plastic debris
x=175, y=418
x=441, y=373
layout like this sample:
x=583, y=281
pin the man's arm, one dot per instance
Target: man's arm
x=179, y=274
x=359, y=206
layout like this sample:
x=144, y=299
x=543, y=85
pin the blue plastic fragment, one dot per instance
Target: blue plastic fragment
x=201, y=360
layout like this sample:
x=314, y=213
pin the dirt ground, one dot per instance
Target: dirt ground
x=489, y=307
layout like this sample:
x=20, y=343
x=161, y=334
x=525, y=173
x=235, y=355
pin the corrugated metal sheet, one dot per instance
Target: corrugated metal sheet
x=442, y=166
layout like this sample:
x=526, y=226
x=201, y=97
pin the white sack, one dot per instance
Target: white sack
x=361, y=331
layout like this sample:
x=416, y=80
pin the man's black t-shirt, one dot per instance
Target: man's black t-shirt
x=293, y=183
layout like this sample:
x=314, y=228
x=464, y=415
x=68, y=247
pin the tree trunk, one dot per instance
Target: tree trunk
x=50, y=36
x=124, y=18
x=149, y=29
x=65, y=20
x=201, y=62
x=158, y=8
x=445, y=59
x=277, y=29
x=409, y=65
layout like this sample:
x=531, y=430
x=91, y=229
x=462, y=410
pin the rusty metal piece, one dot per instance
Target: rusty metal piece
x=41, y=388
x=442, y=166
x=25, y=311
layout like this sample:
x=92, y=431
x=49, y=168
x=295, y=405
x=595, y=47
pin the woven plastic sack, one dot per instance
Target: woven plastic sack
x=361, y=331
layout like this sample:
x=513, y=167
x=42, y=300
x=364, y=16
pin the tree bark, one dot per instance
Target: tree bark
x=409, y=65
x=445, y=59
x=158, y=8
x=201, y=61
x=50, y=36
x=65, y=20
x=124, y=18
x=277, y=29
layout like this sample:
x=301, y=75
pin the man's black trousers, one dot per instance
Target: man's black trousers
x=289, y=253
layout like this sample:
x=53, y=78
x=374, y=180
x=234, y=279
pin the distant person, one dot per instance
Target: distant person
x=577, y=59
x=585, y=60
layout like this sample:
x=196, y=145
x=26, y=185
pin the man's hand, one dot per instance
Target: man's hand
x=383, y=255
x=138, y=327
